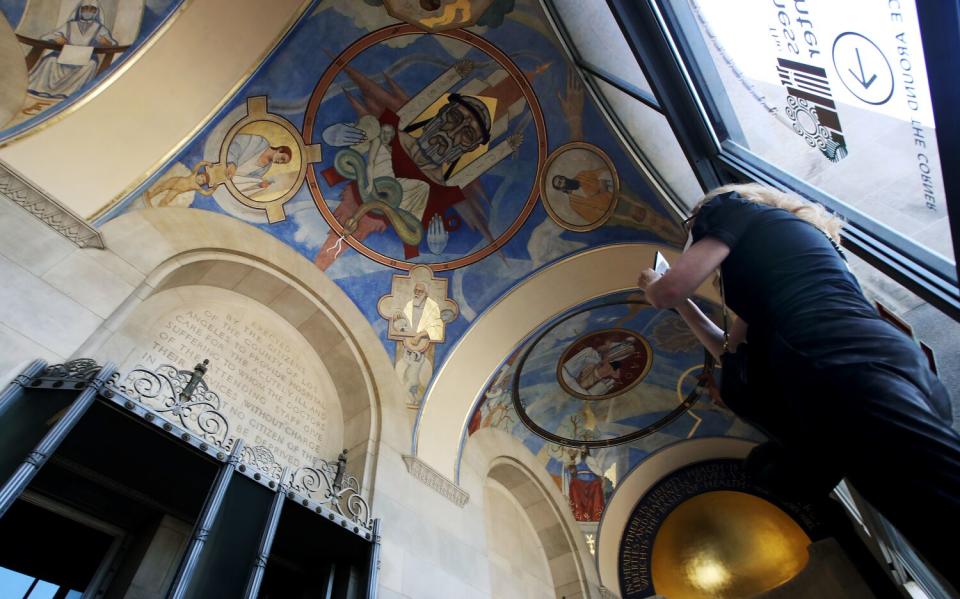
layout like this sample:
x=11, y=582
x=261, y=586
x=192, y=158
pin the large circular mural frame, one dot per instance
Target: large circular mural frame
x=376, y=37
x=682, y=408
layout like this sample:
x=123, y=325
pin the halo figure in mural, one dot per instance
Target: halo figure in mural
x=579, y=186
x=265, y=159
x=262, y=164
x=417, y=311
x=604, y=364
x=409, y=170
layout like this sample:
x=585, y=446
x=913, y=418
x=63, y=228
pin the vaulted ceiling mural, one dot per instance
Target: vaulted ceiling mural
x=67, y=48
x=600, y=387
x=429, y=168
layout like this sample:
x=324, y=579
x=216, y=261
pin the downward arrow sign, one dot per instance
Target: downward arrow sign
x=862, y=78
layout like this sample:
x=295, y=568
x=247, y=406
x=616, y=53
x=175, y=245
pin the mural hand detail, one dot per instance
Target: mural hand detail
x=343, y=134
x=464, y=67
x=437, y=236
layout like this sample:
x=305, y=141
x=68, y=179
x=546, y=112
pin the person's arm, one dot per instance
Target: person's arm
x=708, y=333
x=685, y=275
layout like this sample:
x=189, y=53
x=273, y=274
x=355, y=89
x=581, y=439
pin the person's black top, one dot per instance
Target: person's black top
x=785, y=277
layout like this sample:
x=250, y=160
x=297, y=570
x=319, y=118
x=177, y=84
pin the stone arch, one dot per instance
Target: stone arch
x=639, y=480
x=493, y=454
x=561, y=285
x=178, y=247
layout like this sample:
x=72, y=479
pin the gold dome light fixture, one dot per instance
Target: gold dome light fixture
x=726, y=544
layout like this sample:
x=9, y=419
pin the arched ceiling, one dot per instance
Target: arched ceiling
x=444, y=166
x=117, y=129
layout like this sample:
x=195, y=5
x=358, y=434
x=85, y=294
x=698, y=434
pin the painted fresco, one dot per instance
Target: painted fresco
x=580, y=187
x=604, y=385
x=67, y=47
x=388, y=152
x=411, y=168
x=417, y=310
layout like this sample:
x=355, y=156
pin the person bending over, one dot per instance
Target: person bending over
x=838, y=390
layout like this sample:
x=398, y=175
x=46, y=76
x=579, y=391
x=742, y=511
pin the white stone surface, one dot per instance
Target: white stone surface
x=17, y=351
x=273, y=393
x=518, y=564
x=39, y=311
x=85, y=280
x=28, y=242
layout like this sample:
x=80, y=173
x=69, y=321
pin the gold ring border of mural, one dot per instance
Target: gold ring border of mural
x=391, y=31
x=95, y=91
x=643, y=374
x=258, y=111
x=581, y=145
x=202, y=123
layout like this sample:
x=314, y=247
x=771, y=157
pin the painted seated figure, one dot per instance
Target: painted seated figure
x=52, y=76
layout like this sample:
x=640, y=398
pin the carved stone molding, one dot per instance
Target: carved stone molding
x=48, y=210
x=436, y=481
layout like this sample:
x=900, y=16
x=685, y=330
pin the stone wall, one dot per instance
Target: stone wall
x=63, y=301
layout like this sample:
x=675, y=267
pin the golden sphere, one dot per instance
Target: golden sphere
x=726, y=544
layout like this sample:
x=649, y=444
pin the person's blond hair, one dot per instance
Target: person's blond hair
x=814, y=214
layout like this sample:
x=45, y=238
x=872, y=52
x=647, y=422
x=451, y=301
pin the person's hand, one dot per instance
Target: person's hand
x=60, y=40
x=343, y=134
x=104, y=40
x=713, y=391
x=648, y=276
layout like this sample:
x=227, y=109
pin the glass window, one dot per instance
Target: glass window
x=835, y=94
x=17, y=584
x=654, y=139
x=934, y=329
x=14, y=584
x=597, y=38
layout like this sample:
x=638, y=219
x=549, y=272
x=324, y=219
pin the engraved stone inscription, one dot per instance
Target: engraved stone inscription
x=274, y=391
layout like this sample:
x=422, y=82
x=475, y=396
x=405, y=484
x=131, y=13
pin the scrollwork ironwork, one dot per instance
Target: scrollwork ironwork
x=183, y=397
x=319, y=484
x=162, y=391
x=82, y=369
x=262, y=459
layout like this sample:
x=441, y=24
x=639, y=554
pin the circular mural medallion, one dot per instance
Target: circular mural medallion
x=608, y=373
x=579, y=186
x=262, y=161
x=604, y=364
x=411, y=148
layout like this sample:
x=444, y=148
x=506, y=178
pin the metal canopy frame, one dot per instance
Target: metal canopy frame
x=177, y=405
x=684, y=80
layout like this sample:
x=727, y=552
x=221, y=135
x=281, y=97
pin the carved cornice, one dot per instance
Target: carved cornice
x=49, y=211
x=436, y=481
